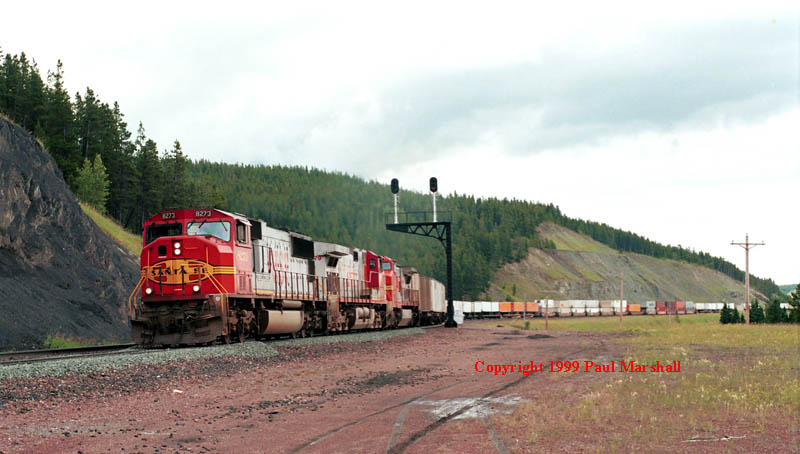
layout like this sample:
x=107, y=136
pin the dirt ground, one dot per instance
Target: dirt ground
x=409, y=394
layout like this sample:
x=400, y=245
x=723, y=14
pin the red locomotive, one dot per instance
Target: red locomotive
x=210, y=275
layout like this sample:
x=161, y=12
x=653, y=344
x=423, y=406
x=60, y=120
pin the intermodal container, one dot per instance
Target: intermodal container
x=680, y=307
x=634, y=309
x=690, y=309
x=517, y=307
x=505, y=307
x=661, y=307
x=531, y=308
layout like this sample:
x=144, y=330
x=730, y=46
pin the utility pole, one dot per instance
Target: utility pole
x=621, y=291
x=747, y=245
x=546, y=314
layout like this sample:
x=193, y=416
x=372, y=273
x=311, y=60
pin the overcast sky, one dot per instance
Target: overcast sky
x=677, y=121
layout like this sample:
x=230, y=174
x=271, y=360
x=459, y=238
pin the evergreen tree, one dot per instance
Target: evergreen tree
x=794, y=302
x=92, y=183
x=725, y=315
x=58, y=129
x=177, y=189
x=149, y=179
x=736, y=317
x=756, y=313
x=774, y=312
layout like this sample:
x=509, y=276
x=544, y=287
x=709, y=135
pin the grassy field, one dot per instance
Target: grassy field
x=129, y=241
x=734, y=380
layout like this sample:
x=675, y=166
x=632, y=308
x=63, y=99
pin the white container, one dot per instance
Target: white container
x=486, y=306
x=458, y=306
x=458, y=315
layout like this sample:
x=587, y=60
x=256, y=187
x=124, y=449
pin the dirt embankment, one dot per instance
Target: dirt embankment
x=581, y=268
x=59, y=273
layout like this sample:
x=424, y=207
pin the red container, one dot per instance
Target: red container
x=661, y=307
x=680, y=307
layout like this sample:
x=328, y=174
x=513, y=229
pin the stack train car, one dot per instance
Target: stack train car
x=585, y=308
x=212, y=276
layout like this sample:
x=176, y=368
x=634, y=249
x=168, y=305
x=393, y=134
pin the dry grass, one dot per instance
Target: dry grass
x=735, y=379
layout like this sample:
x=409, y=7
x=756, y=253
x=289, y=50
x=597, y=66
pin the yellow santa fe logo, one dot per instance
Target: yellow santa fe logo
x=182, y=271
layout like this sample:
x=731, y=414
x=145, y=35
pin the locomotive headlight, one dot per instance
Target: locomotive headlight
x=177, y=252
x=196, y=288
x=148, y=290
x=176, y=245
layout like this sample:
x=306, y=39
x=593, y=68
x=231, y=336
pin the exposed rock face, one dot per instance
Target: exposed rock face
x=59, y=273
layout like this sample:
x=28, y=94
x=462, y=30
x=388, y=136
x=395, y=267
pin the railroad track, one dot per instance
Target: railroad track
x=29, y=356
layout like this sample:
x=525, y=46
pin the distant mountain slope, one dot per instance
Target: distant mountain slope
x=59, y=273
x=788, y=288
x=581, y=268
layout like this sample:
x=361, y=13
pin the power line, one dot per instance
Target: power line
x=747, y=245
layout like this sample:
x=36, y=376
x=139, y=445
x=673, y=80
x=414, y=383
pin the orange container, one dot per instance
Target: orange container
x=531, y=307
x=505, y=307
x=517, y=307
x=635, y=308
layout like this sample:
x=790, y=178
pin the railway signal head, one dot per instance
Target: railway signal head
x=434, y=184
x=395, y=186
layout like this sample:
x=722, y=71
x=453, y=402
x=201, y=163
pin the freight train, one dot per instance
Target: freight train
x=585, y=308
x=209, y=275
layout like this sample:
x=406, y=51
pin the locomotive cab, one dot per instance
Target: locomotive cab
x=191, y=261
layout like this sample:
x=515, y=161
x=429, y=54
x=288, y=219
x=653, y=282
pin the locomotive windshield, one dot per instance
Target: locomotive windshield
x=218, y=229
x=158, y=230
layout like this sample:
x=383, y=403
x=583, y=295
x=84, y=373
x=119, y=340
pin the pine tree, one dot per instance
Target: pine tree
x=756, y=313
x=58, y=123
x=149, y=179
x=92, y=183
x=794, y=312
x=735, y=316
x=725, y=315
x=774, y=312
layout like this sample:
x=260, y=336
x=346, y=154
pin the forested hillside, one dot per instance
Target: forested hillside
x=487, y=232
x=140, y=180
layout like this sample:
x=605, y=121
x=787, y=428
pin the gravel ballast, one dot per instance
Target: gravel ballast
x=141, y=356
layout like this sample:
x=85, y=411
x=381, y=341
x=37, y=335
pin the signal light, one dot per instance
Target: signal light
x=395, y=186
x=434, y=184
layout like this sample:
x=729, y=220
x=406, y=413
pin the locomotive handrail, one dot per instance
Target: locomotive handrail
x=132, y=298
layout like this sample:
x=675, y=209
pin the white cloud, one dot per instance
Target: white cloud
x=658, y=118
